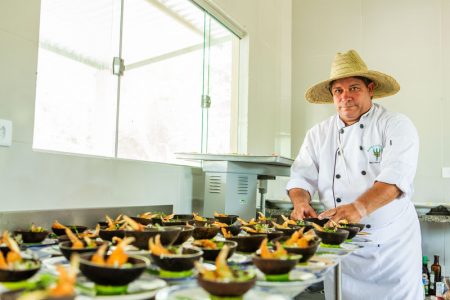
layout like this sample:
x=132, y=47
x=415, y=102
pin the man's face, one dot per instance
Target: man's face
x=352, y=98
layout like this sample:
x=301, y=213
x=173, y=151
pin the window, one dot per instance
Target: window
x=172, y=52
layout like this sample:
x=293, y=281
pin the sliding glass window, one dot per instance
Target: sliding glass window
x=169, y=57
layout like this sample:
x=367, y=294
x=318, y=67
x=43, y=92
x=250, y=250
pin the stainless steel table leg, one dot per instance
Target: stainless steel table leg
x=338, y=282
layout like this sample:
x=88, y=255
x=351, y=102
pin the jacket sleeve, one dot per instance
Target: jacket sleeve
x=400, y=154
x=305, y=169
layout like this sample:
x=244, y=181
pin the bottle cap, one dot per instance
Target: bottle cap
x=424, y=259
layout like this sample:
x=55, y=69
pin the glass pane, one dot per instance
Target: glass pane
x=160, y=111
x=220, y=89
x=76, y=92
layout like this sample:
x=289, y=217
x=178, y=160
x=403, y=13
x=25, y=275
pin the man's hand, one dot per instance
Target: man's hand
x=302, y=209
x=348, y=212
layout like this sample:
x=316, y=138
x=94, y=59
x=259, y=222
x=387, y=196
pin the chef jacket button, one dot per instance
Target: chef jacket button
x=363, y=172
x=341, y=131
x=368, y=226
x=338, y=176
x=361, y=126
x=339, y=152
x=360, y=147
x=338, y=200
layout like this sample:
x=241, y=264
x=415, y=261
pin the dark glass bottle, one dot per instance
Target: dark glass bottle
x=435, y=275
x=425, y=276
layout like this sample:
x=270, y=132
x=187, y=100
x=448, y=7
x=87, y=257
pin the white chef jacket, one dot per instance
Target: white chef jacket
x=342, y=162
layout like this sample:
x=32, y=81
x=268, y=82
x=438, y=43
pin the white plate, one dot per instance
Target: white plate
x=194, y=292
x=319, y=264
x=143, y=288
x=299, y=280
x=49, y=264
x=239, y=259
x=52, y=250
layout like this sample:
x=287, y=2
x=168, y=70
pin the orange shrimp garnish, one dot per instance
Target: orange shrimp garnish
x=76, y=243
x=99, y=256
x=205, y=244
x=219, y=224
x=65, y=286
x=280, y=251
x=222, y=269
x=3, y=264
x=293, y=239
x=197, y=217
x=167, y=218
x=57, y=225
x=249, y=229
x=267, y=254
x=225, y=233
x=133, y=224
x=156, y=247
x=216, y=214
x=14, y=253
x=288, y=221
x=261, y=216
x=118, y=257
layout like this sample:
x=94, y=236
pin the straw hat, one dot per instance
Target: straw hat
x=350, y=64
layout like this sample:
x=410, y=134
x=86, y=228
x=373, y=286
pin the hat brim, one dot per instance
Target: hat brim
x=385, y=85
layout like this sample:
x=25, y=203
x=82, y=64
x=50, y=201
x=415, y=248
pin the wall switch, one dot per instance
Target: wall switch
x=446, y=172
x=5, y=133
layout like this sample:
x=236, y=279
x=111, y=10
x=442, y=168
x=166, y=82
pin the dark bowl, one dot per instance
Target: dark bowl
x=277, y=218
x=359, y=225
x=226, y=289
x=168, y=236
x=19, y=275
x=177, y=222
x=67, y=251
x=143, y=221
x=103, y=224
x=208, y=221
x=288, y=231
x=178, y=262
x=183, y=217
x=31, y=237
x=107, y=235
x=271, y=235
x=205, y=233
x=317, y=221
x=306, y=252
x=73, y=228
x=185, y=233
x=333, y=238
x=248, y=243
x=352, y=231
x=274, y=266
x=229, y=219
x=4, y=249
x=211, y=254
x=104, y=275
x=233, y=229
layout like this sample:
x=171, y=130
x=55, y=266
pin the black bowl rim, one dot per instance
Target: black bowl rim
x=37, y=261
x=191, y=255
x=145, y=262
x=232, y=246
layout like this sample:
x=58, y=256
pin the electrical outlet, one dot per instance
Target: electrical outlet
x=5, y=133
x=446, y=172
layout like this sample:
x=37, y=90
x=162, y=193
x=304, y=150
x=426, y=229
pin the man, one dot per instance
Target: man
x=362, y=163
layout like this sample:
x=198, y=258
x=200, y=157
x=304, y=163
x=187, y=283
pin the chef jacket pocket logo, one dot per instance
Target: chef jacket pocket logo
x=377, y=151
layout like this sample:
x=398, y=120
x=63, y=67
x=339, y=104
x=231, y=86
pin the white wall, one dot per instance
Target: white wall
x=409, y=39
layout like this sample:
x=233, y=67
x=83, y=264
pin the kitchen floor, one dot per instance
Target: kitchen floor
x=314, y=292
x=306, y=295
